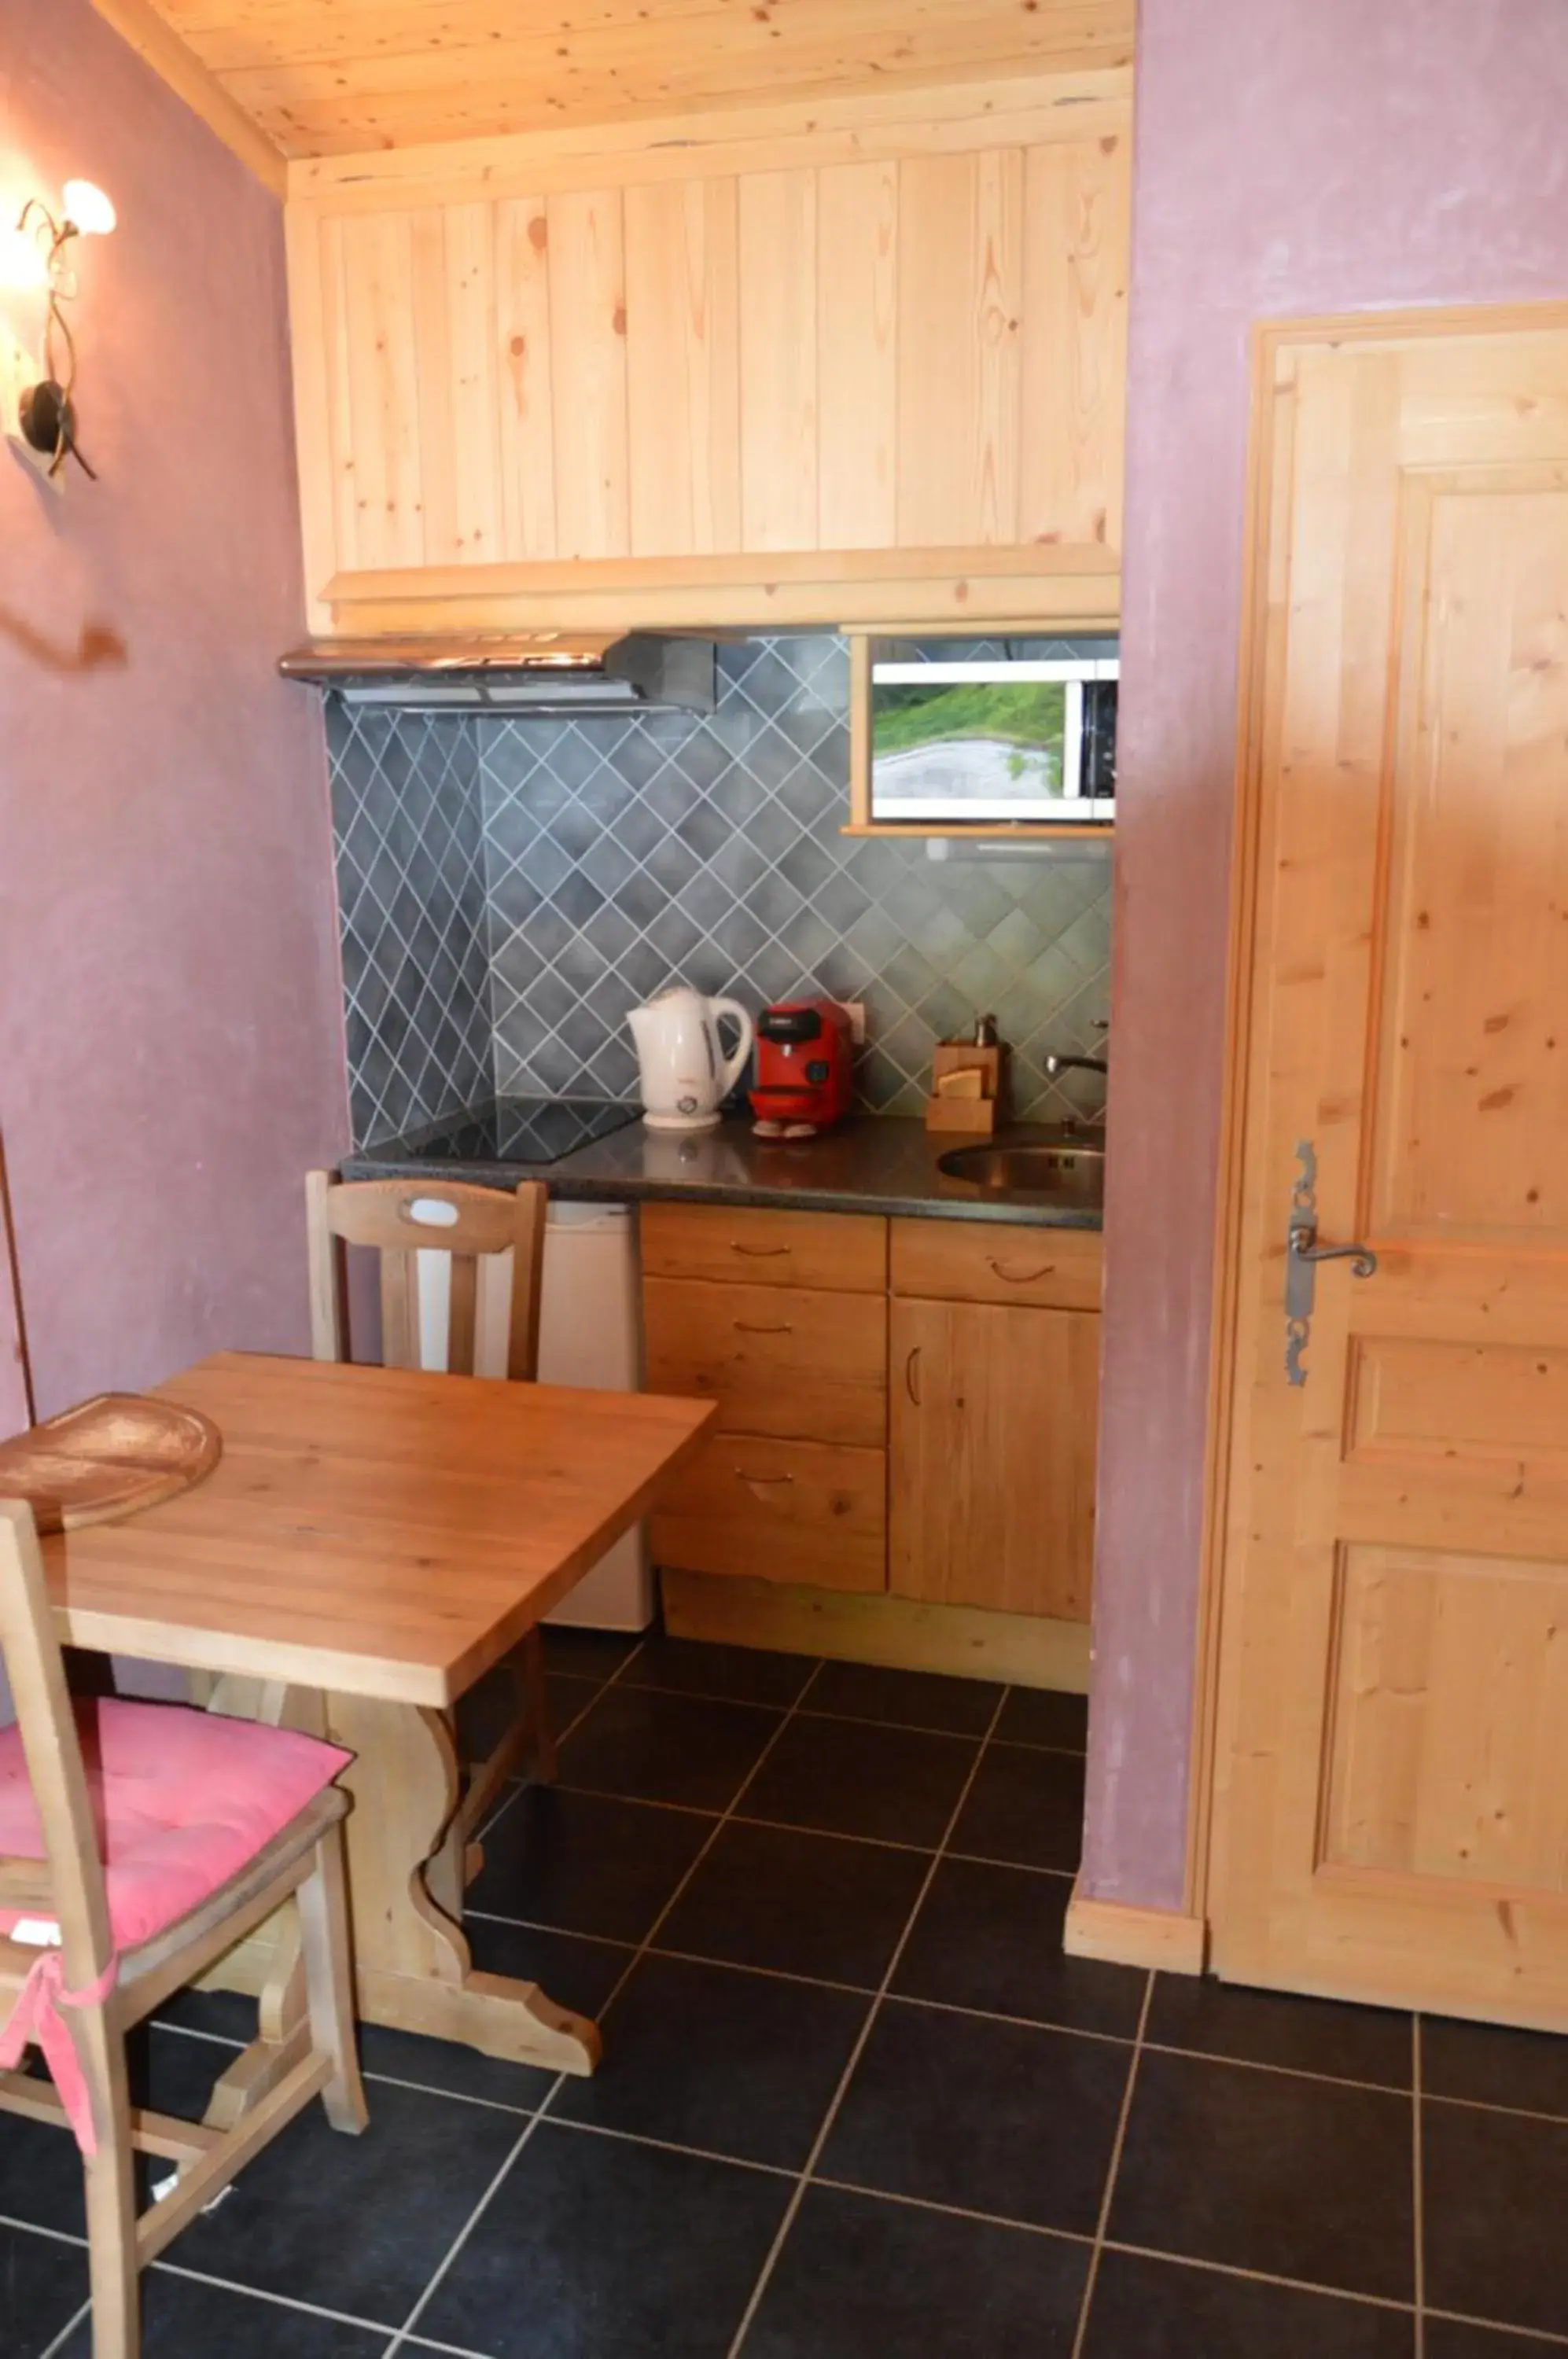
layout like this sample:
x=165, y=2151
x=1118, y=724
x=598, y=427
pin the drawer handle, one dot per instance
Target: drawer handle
x=910, y=1364
x=748, y=1327
x=1021, y=1276
x=760, y=1482
x=758, y=1252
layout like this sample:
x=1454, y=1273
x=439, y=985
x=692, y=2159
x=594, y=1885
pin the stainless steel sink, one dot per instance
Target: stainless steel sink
x=1064, y=1171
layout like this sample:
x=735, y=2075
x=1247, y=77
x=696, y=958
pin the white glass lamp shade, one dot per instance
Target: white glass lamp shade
x=89, y=209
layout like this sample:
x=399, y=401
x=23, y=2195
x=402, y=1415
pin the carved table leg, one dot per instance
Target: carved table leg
x=406, y=1874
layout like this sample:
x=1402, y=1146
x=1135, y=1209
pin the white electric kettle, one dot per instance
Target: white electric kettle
x=685, y=1078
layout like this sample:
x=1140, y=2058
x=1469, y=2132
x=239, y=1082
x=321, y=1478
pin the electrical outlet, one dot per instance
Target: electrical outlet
x=856, y=1011
x=19, y=370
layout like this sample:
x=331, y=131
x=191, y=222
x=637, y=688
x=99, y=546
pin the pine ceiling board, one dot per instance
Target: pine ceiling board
x=339, y=75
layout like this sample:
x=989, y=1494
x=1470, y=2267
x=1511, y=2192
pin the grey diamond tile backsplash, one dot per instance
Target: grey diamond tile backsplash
x=410, y=861
x=559, y=873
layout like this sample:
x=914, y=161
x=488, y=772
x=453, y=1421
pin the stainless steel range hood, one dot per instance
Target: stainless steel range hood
x=522, y=675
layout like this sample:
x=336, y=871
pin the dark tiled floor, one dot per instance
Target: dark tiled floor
x=856, y=2102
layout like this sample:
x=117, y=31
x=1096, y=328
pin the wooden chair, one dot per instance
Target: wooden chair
x=397, y=1219
x=103, y=2001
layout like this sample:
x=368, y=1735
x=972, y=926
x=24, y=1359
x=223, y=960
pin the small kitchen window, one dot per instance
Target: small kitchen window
x=993, y=736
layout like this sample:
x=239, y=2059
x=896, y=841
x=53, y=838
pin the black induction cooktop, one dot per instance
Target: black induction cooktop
x=515, y=1130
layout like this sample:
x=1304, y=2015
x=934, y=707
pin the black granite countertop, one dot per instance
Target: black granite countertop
x=872, y=1164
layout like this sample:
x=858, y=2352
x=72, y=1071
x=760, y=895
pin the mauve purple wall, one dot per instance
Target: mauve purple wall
x=170, y=1025
x=1292, y=157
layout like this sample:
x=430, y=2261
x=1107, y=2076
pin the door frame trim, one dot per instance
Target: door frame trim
x=1270, y=339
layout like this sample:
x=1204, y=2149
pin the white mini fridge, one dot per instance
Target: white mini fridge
x=590, y=1334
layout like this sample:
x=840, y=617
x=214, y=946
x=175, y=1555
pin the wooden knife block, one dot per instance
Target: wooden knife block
x=976, y=1117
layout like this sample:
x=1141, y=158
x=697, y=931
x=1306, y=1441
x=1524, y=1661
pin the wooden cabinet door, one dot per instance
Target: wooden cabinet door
x=1392, y=1744
x=807, y=375
x=993, y=1413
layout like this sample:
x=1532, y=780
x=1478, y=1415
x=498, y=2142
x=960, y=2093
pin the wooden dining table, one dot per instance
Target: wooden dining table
x=371, y=1543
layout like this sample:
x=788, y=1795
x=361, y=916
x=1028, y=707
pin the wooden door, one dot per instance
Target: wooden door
x=1392, y=1762
x=993, y=1423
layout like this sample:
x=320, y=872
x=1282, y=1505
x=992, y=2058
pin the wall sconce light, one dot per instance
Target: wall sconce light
x=36, y=255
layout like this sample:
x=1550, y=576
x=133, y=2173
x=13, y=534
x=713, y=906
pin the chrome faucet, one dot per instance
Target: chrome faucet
x=1056, y=1066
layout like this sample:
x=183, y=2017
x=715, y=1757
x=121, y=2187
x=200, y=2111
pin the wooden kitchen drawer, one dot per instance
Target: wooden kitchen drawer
x=986, y=1261
x=792, y=1511
x=845, y=1252
x=791, y=1361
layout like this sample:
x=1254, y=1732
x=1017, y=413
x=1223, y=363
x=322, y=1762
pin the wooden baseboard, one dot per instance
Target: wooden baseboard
x=1026, y=1649
x=1120, y=1935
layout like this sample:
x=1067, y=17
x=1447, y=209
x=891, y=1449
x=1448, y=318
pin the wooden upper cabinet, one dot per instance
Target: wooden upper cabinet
x=854, y=363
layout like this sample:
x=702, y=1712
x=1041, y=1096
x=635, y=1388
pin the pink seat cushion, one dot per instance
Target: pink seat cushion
x=183, y=1800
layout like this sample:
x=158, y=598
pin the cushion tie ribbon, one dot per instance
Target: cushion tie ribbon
x=35, y=2015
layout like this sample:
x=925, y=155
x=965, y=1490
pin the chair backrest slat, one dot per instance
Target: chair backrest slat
x=399, y=1310
x=528, y=1282
x=397, y=1219
x=463, y=1314
x=52, y=1750
x=329, y=1311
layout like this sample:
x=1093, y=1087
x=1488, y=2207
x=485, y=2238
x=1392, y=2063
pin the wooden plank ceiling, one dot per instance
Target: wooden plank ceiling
x=335, y=77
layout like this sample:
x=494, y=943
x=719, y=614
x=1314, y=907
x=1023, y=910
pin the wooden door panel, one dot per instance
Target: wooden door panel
x=1449, y=1718
x=994, y=1416
x=1390, y=1818
x=1473, y=1098
x=1464, y=1406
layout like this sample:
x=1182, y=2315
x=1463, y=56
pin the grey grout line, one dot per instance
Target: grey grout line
x=1103, y=2224
x=820, y=1711
x=453, y=2096
x=792, y=1827
x=464, y=2233
x=380, y=2079
x=405, y=2335
x=646, y=1944
x=820, y=2142
x=852, y=1719
x=952, y=2210
x=1502, y=2326
x=37, y=2228
x=1021, y=1866
x=51, y=2350
x=535, y=1925
x=1417, y=2210
x=668, y=2146
x=902, y=1998
x=1481, y=2105
x=1258, y=2277
x=277, y=2300
x=521, y=1785
x=1286, y=2071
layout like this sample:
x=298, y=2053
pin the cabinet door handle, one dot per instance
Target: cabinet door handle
x=1020, y=1276
x=758, y=1252
x=910, y=1364
x=749, y=1327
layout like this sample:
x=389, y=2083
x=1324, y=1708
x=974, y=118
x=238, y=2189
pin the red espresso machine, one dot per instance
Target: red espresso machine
x=804, y=1059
